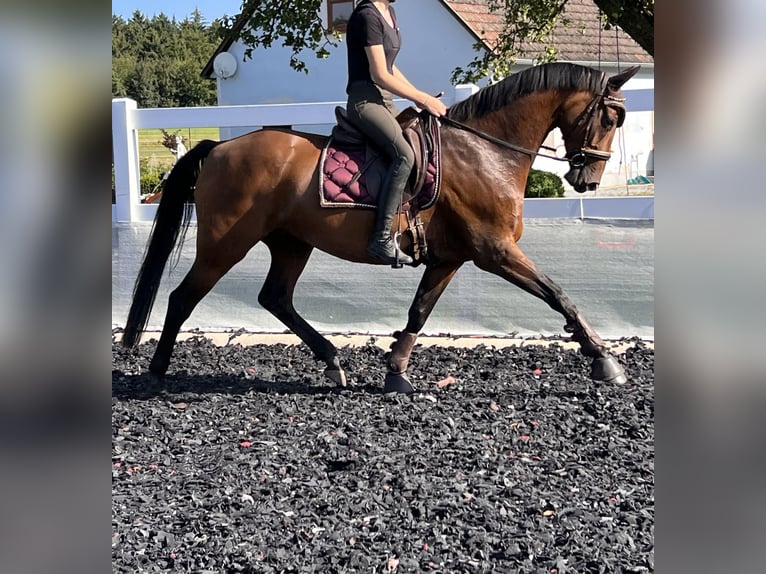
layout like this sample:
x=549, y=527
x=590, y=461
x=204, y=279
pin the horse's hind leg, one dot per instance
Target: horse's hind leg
x=288, y=260
x=510, y=263
x=213, y=260
x=198, y=282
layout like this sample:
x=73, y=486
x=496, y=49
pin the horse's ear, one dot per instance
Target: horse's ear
x=617, y=81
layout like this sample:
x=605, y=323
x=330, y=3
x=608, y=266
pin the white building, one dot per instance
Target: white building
x=437, y=37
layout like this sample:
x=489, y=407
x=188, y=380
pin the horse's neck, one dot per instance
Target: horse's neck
x=525, y=122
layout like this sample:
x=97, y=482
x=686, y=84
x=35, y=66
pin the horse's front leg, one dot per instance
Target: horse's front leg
x=432, y=285
x=510, y=263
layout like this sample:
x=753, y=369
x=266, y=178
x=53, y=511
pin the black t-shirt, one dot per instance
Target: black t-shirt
x=368, y=27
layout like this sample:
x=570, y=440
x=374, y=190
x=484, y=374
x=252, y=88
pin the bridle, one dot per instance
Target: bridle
x=577, y=159
x=580, y=157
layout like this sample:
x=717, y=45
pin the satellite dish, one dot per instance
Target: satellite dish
x=224, y=65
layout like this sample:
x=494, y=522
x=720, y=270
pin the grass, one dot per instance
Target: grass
x=150, y=146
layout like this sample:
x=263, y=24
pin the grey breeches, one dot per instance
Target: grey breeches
x=373, y=112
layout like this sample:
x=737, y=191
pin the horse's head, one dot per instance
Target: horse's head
x=588, y=125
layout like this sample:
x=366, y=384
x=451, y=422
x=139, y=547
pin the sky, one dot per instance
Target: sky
x=210, y=9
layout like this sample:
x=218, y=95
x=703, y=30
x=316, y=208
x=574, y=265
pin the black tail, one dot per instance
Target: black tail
x=172, y=220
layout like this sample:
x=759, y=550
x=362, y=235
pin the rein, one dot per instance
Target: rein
x=498, y=141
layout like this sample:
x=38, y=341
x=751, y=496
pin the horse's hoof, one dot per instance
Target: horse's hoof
x=608, y=370
x=337, y=376
x=153, y=385
x=158, y=369
x=398, y=383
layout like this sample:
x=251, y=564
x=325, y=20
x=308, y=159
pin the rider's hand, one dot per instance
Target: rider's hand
x=434, y=106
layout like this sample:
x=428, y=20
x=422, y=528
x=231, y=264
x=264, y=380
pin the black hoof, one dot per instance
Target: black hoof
x=152, y=385
x=608, y=370
x=337, y=376
x=156, y=379
x=158, y=369
x=398, y=383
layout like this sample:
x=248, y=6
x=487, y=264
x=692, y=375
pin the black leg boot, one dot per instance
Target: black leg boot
x=382, y=245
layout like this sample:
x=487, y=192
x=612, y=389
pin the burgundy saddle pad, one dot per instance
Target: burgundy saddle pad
x=342, y=185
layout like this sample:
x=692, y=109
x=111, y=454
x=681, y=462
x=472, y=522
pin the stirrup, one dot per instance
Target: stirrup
x=396, y=260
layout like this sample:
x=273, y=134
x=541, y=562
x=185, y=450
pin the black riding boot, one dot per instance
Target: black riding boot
x=382, y=245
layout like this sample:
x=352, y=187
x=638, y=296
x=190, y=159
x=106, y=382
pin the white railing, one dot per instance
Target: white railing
x=127, y=119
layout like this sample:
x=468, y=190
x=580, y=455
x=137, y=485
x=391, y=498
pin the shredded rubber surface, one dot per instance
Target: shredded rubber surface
x=246, y=459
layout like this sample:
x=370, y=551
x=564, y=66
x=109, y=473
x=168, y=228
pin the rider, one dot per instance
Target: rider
x=373, y=40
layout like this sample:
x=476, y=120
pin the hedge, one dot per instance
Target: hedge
x=543, y=184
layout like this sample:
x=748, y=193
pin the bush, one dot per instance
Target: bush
x=150, y=177
x=543, y=184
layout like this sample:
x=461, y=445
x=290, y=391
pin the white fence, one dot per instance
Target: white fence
x=127, y=119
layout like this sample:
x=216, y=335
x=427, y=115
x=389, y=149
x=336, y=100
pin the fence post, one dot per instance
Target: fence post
x=127, y=177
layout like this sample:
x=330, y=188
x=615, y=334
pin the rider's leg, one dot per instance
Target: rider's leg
x=375, y=117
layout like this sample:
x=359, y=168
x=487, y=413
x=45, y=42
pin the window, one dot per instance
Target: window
x=338, y=13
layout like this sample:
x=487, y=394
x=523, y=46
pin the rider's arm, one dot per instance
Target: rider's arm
x=398, y=84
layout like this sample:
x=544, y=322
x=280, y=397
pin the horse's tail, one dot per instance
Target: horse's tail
x=171, y=221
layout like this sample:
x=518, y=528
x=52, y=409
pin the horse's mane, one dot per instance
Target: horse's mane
x=557, y=75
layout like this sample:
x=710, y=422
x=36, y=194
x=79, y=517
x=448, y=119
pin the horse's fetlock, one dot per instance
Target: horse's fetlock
x=396, y=367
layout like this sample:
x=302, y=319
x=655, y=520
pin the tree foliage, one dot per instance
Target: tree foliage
x=299, y=26
x=157, y=61
x=636, y=17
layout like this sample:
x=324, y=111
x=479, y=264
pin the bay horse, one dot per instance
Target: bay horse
x=263, y=186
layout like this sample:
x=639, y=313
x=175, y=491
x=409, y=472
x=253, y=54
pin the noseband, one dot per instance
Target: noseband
x=577, y=159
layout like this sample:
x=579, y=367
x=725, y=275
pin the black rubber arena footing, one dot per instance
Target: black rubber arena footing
x=246, y=459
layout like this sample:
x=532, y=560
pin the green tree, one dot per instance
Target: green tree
x=299, y=26
x=157, y=61
x=636, y=17
x=144, y=84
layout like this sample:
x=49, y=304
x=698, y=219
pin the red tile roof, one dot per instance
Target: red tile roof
x=581, y=40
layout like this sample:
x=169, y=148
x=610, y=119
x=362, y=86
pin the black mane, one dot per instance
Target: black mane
x=557, y=75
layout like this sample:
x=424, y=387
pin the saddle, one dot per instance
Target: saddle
x=352, y=170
